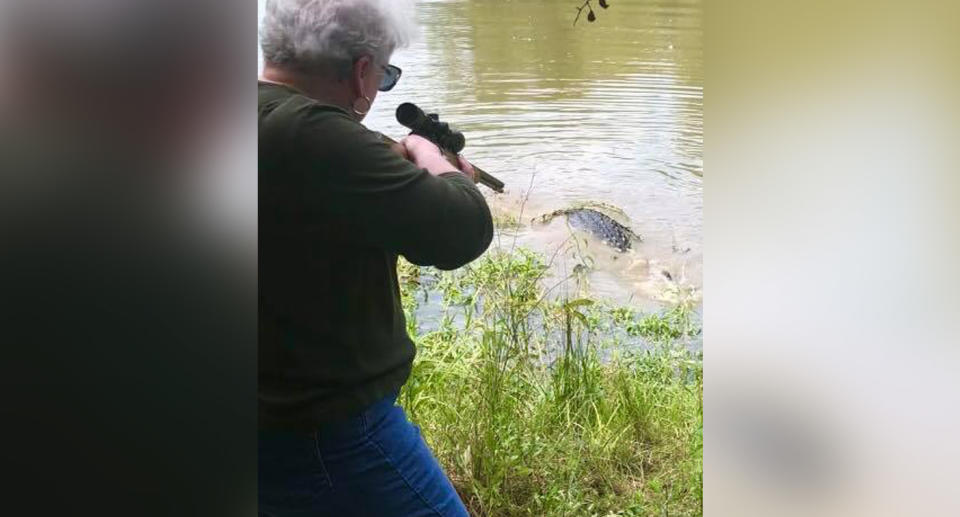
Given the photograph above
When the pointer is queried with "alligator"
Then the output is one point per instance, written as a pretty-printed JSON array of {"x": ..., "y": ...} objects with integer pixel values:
[{"x": 599, "y": 224}]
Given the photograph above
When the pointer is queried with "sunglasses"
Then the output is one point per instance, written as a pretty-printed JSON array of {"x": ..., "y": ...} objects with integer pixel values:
[{"x": 390, "y": 77}]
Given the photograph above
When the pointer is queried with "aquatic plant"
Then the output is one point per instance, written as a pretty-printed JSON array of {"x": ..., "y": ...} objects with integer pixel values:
[{"x": 539, "y": 400}]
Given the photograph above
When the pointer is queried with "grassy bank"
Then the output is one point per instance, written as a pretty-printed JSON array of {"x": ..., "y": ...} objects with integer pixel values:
[{"x": 542, "y": 405}]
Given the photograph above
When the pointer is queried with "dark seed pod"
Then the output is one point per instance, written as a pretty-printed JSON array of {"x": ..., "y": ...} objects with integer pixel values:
[
  {"x": 591, "y": 17},
  {"x": 604, "y": 4}
]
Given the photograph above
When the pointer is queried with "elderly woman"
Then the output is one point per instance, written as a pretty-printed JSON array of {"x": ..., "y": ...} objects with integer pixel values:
[{"x": 337, "y": 206}]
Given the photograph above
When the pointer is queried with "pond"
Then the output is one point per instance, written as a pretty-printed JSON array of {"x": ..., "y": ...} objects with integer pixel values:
[{"x": 604, "y": 112}]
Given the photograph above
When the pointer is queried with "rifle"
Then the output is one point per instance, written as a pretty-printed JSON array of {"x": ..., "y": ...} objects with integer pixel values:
[{"x": 449, "y": 140}]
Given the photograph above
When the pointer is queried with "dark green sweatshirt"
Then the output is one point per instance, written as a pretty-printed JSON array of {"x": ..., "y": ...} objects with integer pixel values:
[{"x": 336, "y": 208}]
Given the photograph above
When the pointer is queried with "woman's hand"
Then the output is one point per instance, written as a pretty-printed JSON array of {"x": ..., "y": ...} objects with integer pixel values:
[
  {"x": 427, "y": 155},
  {"x": 467, "y": 168},
  {"x": 399, "y": 148}
]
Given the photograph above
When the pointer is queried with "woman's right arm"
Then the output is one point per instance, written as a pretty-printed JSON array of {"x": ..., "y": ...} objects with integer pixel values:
[{"x": 432, "y": 215}]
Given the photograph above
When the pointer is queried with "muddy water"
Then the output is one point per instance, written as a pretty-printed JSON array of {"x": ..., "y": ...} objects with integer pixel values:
[{"x": 609, "y": 112}]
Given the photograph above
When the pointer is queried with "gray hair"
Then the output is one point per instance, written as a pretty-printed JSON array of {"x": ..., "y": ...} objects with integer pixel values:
[{"x": 306, "y": 34}]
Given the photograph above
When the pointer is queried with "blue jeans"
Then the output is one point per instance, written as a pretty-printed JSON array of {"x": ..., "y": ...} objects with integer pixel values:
[{"x": 373, "y": 464}]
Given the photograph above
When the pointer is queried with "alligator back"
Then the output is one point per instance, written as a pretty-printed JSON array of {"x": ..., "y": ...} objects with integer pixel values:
[{"x": 602, "y": 226}]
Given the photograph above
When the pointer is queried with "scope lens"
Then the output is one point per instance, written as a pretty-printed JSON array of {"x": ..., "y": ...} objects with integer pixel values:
[{"x": 409, "y": 115}]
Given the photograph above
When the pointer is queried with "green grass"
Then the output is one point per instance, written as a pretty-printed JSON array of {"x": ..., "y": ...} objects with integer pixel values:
[{"x": 536, "y": 405}]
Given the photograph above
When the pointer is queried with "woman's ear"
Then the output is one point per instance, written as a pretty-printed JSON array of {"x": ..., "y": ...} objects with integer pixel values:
[{"x": 362, "y": 68}]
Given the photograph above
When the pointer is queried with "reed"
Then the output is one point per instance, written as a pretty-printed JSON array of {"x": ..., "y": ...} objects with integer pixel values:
[{"x": 542, "y": 404}]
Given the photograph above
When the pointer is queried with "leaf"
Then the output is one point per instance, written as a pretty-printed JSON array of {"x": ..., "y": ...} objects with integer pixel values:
[
  {"x": 603, "y": 3},
  {"x": 580, "y": 316},
  {"x": 591, "y": 17},
  {"x": 579, "y": 302}
]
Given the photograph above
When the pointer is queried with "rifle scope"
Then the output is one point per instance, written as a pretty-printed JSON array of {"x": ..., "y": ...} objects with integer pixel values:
[{"x": 430, "y": 127}]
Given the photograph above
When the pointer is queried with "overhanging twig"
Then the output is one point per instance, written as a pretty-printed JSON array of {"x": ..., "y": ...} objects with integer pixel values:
[{"x": 580, "y": 9}]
